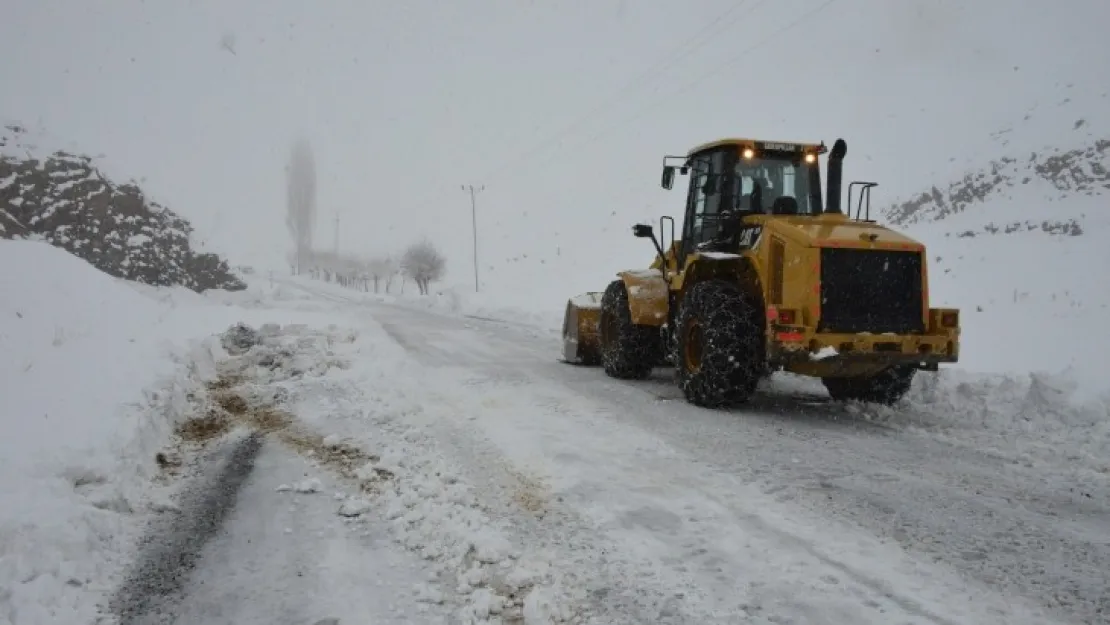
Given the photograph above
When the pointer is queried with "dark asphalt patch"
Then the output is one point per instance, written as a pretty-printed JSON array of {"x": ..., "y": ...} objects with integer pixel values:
[{"x": 173, "y": 544}]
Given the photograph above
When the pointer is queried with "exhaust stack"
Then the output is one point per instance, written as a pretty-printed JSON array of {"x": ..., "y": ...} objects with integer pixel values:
[{"x": 835, "y": 176}]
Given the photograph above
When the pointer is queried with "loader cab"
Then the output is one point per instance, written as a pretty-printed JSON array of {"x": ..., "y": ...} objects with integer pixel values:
[{"x": 735, "y": 178}]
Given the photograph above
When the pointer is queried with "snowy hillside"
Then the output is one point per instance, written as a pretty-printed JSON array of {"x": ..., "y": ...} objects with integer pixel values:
[
  {"x": 1018, "y": 243},
  {"x": 67, "y": 200}
]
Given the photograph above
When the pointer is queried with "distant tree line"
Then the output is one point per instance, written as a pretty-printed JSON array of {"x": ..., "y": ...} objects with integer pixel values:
[{"x": 420, "y": 262}]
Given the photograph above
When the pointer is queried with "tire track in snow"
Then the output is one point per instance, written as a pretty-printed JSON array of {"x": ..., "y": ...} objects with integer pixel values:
[
  {"x": 702, "y": 539},
  {"x": 577, "y": 397},
  {"x": 626, "y": 586},
  {"x": 814, "y": 448},
  {"x": 173, "y": 544}
]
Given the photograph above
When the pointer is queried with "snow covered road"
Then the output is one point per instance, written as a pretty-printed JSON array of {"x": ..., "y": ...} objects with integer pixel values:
[
  {"x": 789, "y": 510},
  {"x": 244, "y": 548},
  {"x": 398, "y": 465}
]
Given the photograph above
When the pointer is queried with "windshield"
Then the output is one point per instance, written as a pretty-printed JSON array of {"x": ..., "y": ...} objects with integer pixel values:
[{"x": 779, "y": 186}]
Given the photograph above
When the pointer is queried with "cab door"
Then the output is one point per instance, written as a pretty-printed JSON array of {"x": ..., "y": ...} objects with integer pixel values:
[{"x": 710, "y": 195}]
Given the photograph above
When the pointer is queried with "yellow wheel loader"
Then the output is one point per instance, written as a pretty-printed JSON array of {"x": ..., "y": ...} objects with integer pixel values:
[{"x": 768, "y": 276}]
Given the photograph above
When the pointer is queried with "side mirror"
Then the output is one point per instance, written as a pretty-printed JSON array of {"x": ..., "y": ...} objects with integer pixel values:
[
  {"x": 668, "y": 176},
  {"x": 643, "y": 231}
]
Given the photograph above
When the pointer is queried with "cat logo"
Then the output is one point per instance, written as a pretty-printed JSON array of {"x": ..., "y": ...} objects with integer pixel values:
[{"x": 749, "y": 236}]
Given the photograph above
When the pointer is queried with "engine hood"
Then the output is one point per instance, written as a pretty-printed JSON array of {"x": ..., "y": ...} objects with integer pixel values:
[{"x": 838, "y": 231}]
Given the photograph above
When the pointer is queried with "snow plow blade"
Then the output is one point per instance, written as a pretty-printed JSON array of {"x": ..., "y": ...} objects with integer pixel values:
[{"x": 581, "y": 336}]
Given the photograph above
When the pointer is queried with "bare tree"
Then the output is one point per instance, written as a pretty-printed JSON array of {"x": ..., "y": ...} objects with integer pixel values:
[
  {"x": 392, "y": 269},
  {"x": 423, "y": 263},
  {"x": 381, "y": 268},
  {"x": 300, "y": 216}
]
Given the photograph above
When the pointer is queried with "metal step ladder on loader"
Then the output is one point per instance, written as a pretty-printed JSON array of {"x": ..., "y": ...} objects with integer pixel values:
[{"x": 768, "y": 276}]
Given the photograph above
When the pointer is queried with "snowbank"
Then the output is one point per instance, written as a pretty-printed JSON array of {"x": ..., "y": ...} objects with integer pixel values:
[
  {"x": 1032, "y": 417},
  {"x": 94, "y": 372},
  {"x": 79, "y": 435},
  {"x": 1029, "y": 417},
  {"x": 1035, "y": 416}
]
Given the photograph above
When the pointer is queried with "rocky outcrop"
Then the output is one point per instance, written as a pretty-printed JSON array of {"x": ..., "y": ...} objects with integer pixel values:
[
  {"x": 67, "y": 201},
  {"x": 1085, "y": 170},
  {"x": 11, "y": 228},
  {"x": 1069, "y": 227}
]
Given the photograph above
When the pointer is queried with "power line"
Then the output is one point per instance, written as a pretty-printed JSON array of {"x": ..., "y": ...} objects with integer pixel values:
[
  {"x": 698, "y": 40},
  {"x": 684, "y": 50},
  {"x": 727, "y": 64},
  {"x": 698, "y": 43}
]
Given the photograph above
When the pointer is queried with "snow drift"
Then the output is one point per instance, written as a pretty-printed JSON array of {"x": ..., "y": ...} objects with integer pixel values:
[
  {"x": 79, "y": 437},
  {"x": 94, "y": 375}
]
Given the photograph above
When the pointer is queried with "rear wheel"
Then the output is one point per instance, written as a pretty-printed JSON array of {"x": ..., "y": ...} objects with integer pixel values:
[
  {"x": 628, "y": 351},
  {"x": 886, "y": 387},
  {"x": 719, "y": 355}
]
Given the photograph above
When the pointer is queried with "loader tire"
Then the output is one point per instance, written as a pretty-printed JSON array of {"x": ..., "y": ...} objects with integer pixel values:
[
  {"x": 720, "y": 349},
  {"x": 886, "y": 387},
  {"x": 628, "y": 351}
]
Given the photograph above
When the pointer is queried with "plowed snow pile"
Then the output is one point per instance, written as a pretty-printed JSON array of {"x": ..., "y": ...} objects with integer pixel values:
[
  {"x": 1033, "y": 417},
  {"x": 93, "y": 374},
  {"x": 76, "y": 347}
]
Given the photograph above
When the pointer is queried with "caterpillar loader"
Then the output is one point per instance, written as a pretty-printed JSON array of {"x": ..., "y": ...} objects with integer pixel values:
[{"x": 768, "y": 276}]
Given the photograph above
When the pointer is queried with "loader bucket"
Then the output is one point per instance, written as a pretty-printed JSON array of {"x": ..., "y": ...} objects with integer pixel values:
[{"x": 580, "y": 329}]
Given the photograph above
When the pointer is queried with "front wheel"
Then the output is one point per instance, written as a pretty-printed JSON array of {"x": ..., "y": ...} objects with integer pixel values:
[
  {"x": 886, "y": 387},
  {"x": 628, "y": 351},
  {"x": 720, "y": 355}
]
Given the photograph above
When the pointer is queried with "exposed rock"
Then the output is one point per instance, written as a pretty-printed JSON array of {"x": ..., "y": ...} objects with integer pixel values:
[
  {"x": 1069, "y": 227},
  {"x": 1084, "y": 170},
  {"x": 67, "y": 201}
]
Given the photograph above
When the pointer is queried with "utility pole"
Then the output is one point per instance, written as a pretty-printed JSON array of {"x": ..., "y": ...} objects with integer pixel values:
[{"x": 474, "y": 225}]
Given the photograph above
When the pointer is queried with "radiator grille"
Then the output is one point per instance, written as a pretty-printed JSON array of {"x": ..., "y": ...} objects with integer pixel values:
[
  {"x": 778, "y": 252},
  {"x": 871, "y": 291}
]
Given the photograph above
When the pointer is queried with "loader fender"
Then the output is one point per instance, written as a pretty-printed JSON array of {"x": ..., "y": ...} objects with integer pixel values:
[
  {"x": 648, "y": 300},
  {"x": 734, "y": 268}
]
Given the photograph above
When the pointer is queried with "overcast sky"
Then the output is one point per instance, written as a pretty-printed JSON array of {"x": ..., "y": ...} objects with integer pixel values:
[{"x": 405, "y": 101}]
